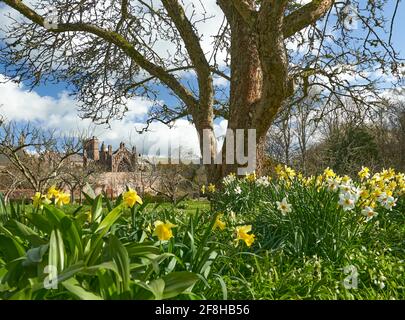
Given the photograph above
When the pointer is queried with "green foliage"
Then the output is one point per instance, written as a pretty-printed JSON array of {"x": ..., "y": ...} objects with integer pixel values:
[
  {"x": 303, "y": 254},
  {"x": 350, "y": 148},
  {"x": 53, "y": 254}
]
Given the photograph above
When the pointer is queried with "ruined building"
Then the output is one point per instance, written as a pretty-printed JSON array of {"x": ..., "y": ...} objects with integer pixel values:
[{"x": 121, "y": 160}]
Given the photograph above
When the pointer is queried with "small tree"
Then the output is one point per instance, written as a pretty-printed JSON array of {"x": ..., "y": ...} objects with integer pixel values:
[
  {"x": 38, "y": 155},
  {"x": 76, "y": 176}
]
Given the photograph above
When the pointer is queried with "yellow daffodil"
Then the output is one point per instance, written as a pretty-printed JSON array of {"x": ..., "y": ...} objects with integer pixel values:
[
  {"x": 62, "y": 198},
  {"x": 163, "y": 230},
  {"x": 211, "y": 188},
  {"x": 242, "y": 234},
  {"x": 251, "y": 177},
  {"x": 203, "y": 189},
  {"x": 219, "y": 223},
  {"x": 329, "y": 173},
  {"x": 38, "y": 200},
  {"x": 279, "y": 170},
  {"x": 88, "y": 216},
  {"x": 131, "y": 197},
  {"x": 290, "y": 172},
  {"x": 346, "y": 179},
  {"x": 52, "y": 192},
  {"x": 364, "y": 173}
]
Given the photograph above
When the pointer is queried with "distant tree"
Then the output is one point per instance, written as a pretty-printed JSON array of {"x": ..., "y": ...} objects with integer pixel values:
[
  {"x": 350, "y": 147},
  {"x": 10, "y": 181},
  {"x": 76, "y": 176},
  {"x": 38, "y": 155}
]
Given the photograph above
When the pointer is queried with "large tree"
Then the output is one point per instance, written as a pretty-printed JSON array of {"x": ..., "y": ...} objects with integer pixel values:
[{"x": 109, "y": 52}]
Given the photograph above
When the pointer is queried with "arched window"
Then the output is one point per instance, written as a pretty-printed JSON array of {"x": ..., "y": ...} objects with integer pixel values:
[{"x": 124, "y": 166}]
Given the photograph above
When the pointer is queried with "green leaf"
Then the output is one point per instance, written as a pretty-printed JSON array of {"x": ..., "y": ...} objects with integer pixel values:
[
  {"x": 73, "y": 286},
  {"x": 11, "y": 248},
  {"x": 54, "y": 215},
  {"x": 109, "y": 220},
  {"x": 178, "y": 282},
  {"x": 56, "y": 250},
  {"x": 156, "y": 287},
  {"x": 120, "y": 256},
  {"x": 24, "y": 232},
  {"x": 105, "y": 225},
  {"x": 40, "y": 222},
  {"x": 97, "y": 208},
  {"x": 24, "y": 294},
  {"x": 142, "y": 250}
]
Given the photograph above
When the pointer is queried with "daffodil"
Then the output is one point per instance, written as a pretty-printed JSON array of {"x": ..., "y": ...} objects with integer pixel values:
[
  {"x": 329, "y": 173},
  {"x": 163, "y": 230},
  {"x": 332, "y": 185},
  {"x": 52, "y": 192},
  {"x": 290, "y": 172},
  {"x": 38, "y": 200},
  {"x": 369, "y": 213},
  {"x": 211, "y": 188},
  {"x": 263, "y": 181},
  {"x": 219, "y": 223},
  {"x": 251, "y": 177},
  {"x": 279, "y": 170},
  {"x": 242, "y": 233},
  {"x": 62, "y": 198},
  {"x": 203, "y": 189},
  {"x": 388, "y": 202},
  {"x": 131, "y": 197},
  {"x": 347, "y": 201},
  {"x": 88, "y": 216},
  {"x": 364, "y": 173},
  {"x": 229, "y": 179},
  {"x": 284, "y": 206},
  {"x": 238, "y": 190},
  {"x": 346, "y": 179}
]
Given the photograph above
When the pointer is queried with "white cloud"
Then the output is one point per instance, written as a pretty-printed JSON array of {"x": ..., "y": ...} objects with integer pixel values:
[{"x": 19, "y": 104}]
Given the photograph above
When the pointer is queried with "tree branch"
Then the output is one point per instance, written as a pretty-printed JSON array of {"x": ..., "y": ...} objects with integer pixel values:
[
  {"x": 245, "y": 10},
  {"x": 118, "y": 40},
  {"x": 197, "y": 56},
  {"x": 305, "y": 16}
]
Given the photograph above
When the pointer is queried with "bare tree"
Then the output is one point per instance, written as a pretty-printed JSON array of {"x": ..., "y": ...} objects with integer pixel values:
[
  {"x": 76, "y": 176},
  {"x": 38, "y": 155},
  {"x": 10, "y": 181},
  {"x": 109, "y": 52}
]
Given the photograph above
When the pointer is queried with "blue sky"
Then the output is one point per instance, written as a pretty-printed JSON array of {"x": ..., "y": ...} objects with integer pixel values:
[{"x": 50, "y": 105}]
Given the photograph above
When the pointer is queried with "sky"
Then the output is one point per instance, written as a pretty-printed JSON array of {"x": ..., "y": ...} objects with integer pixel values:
[{"x": 51, "y": 106}]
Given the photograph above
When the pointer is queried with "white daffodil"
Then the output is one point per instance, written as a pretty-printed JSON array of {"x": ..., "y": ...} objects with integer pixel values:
[
  {"x": 389, "y": 203},
  {"x": 284, "y": 206},
  {"x": 263, "y": 181},
  {"x": 229, "y": 179},
  {"x": 238, "y": 190},
  {"x": 333, "y": 185},
  {"x": 355, "y": 192},
  {"x": 369, "y": 213},
  {"x": 347, "y": 201},
  {"x": 382, "y": 198},
  {"x": 345, "y": 188}
]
